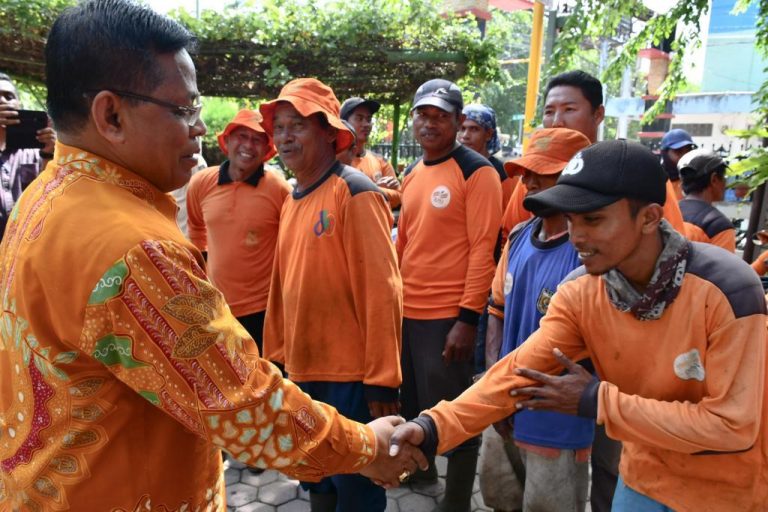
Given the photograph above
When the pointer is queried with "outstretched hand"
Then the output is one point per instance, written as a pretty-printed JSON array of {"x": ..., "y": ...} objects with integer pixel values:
[
  {"x": 556, "y": 393},
  {"x": 389, "y": 466},
  {"x": 407, "y": 434}
]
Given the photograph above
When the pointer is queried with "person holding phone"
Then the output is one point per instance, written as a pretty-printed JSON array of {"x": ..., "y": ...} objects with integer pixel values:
[{"x": 19, "y": 165}]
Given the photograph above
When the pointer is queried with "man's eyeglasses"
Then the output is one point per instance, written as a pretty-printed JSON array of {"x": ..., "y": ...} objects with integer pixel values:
[{"x": 190, "y": 113}]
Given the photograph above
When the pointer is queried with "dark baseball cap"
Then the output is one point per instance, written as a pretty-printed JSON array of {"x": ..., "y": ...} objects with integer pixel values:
[
  {"x": 351, "y": 104},
  {"x": 439, "y": 93},
  {"x": 676, "y": 139},
  {"x": 698, "y": 163},
  {"x": 601, "y": 175}
]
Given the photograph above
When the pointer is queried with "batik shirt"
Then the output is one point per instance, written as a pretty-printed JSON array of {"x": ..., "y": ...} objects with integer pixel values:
[{"x": 122, "y": 370}]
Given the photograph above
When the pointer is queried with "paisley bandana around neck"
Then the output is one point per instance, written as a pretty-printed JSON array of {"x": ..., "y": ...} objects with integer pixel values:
[
  {"x": 485, "y": 116},
  {"x": 664, "y": 285}
]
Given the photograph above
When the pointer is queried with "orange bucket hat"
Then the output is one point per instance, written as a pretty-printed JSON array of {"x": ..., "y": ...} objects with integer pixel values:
[
  {"x": 549, "y": 151},
  {"x": 309, "y": 96},
  {"x": 249, "y": 119}
]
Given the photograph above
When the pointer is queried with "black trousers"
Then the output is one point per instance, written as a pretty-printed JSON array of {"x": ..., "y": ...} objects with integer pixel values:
[
  {"x": 426, "y": 378},
  {"x": 254, "y": 324}
]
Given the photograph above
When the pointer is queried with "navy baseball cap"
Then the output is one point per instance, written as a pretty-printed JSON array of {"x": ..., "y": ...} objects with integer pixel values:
[
  {"x": 676, "y": 139},
  {"x": 439, "y": 93},
  {"x": 351, "y": 104},
  {"x": 600, "y": 175}
]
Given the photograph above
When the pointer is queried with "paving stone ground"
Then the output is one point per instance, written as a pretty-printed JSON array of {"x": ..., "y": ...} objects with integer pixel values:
[{"x": 274, "y": 492}]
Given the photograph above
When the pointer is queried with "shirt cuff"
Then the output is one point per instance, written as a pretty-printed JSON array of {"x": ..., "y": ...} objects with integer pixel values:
[
  {"x": 468, "y": 316},
  {"x": 588, "y": 400},
  {"x": 429, "y": 445},
  {"x": 380, "y": 393}
]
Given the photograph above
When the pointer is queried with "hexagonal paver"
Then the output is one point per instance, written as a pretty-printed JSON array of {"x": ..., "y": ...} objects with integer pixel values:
[
  {"x": 478, "y": 503},
  {"x": 416, "y": 503},
  {"x": 442, "y": 465},
  {"x": 241, "y": 494},
  {"x": 265, "y": 478},
  {"x": 398, "y": 491},
  {"x": 278, "y": 492},
  {"x": 231, "y": 476},
  {"x": 294, "y": 506},
  {"x": 430, "y": 490},
  {"x": 256, "y": 507},
  {"x": 392, "y": 506}
]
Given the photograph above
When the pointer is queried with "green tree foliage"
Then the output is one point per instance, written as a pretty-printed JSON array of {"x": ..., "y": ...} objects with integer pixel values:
[
  {"x": 509, "y": 32},
  {"x": 753, "y": 165},
  {"x": 592, "y": 19}
]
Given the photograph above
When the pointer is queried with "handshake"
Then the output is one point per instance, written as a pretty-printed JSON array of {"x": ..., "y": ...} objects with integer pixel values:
[{"x": 397, "y": 455}]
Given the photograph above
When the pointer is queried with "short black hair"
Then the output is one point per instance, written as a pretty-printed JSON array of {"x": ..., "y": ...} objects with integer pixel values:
[
  {"x": 591, "y": 87},
  {"x": 635, "y": 205},
  {"x": 105, "y": 44},
  {"x": 700, "y": 183}
]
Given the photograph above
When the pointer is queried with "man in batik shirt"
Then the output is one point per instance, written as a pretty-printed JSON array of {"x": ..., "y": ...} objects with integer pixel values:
[{"x": 122, "y": 370}]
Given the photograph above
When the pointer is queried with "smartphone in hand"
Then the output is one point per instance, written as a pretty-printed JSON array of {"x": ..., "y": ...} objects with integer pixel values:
[{"x": 24, "y": 134}]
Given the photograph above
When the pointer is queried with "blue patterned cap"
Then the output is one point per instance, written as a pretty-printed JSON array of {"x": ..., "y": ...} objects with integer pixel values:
[{"x": 485, "y": 116}]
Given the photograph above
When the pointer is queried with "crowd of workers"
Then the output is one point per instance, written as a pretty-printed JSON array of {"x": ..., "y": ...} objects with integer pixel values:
[{"x": 593, "y": 299}]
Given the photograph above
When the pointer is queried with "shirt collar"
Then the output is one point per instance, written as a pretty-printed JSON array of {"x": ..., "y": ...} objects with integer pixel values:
[
  {"x": 80, "y": 161},
  {"x": 253, "y": 179}
]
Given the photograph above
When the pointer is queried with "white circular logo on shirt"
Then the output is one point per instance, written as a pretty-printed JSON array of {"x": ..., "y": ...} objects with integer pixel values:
[
  {"x": 688, "y": 366},
  {"x": 508, "y": 279},
  {"x": 441, "y": 197},
  {"x": 575, "y": 165}
]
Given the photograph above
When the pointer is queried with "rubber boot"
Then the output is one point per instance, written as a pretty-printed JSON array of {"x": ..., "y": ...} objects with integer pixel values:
[
  {"x": 322, "y": 502},
  {"x": 459, "y": 480}
]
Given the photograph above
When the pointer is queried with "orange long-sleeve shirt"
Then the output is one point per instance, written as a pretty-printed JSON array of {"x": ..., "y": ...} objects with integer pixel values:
[
  {"x": 705, "y": 223},
  {"x": 759, "y": 265},
  {"x": 684, "y": 393},
  {"x": 335, "y": 304},
  {"x": 123, "y": 374},
  {"x": 449, "y": 226},
  {"x": 516, "y": 213},
  {"x": 375, "y": 167},
  {"x": 236, "y": 222}
]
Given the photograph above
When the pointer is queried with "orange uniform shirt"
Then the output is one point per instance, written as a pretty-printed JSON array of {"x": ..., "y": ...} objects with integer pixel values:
[
  {"x": 705, "y": 223},
  {"x": 375, "y": 167},
  {"x": 448, "y": 228},
  {"x": 677, "y": 187},
  {"x": 686, "y": 393},
  {"x": 759, "y": 265},
  {"x": 236, "y": 222},
  {"x": 122, "y": 371},
  {"x": 516, "y": 213},
  {"x": 335, "y": 305}
]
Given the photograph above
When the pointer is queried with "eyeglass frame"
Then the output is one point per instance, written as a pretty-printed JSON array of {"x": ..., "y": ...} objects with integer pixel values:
[{"x": 191, "y": 113}]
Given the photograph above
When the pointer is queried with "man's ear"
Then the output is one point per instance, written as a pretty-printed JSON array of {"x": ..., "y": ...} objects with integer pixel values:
[
  {"x": 599, "y": 114},
  {"x": 651, "y": 216},
  {"x": 332, "y": 134},
  {"x": 108, "y": 113}
]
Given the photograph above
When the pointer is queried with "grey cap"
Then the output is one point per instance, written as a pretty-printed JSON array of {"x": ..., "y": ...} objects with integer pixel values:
[
  {"x": 439, "y": 93},
  {"x": 351, "y": 104},
  {"x": 698, "y": 163}
]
